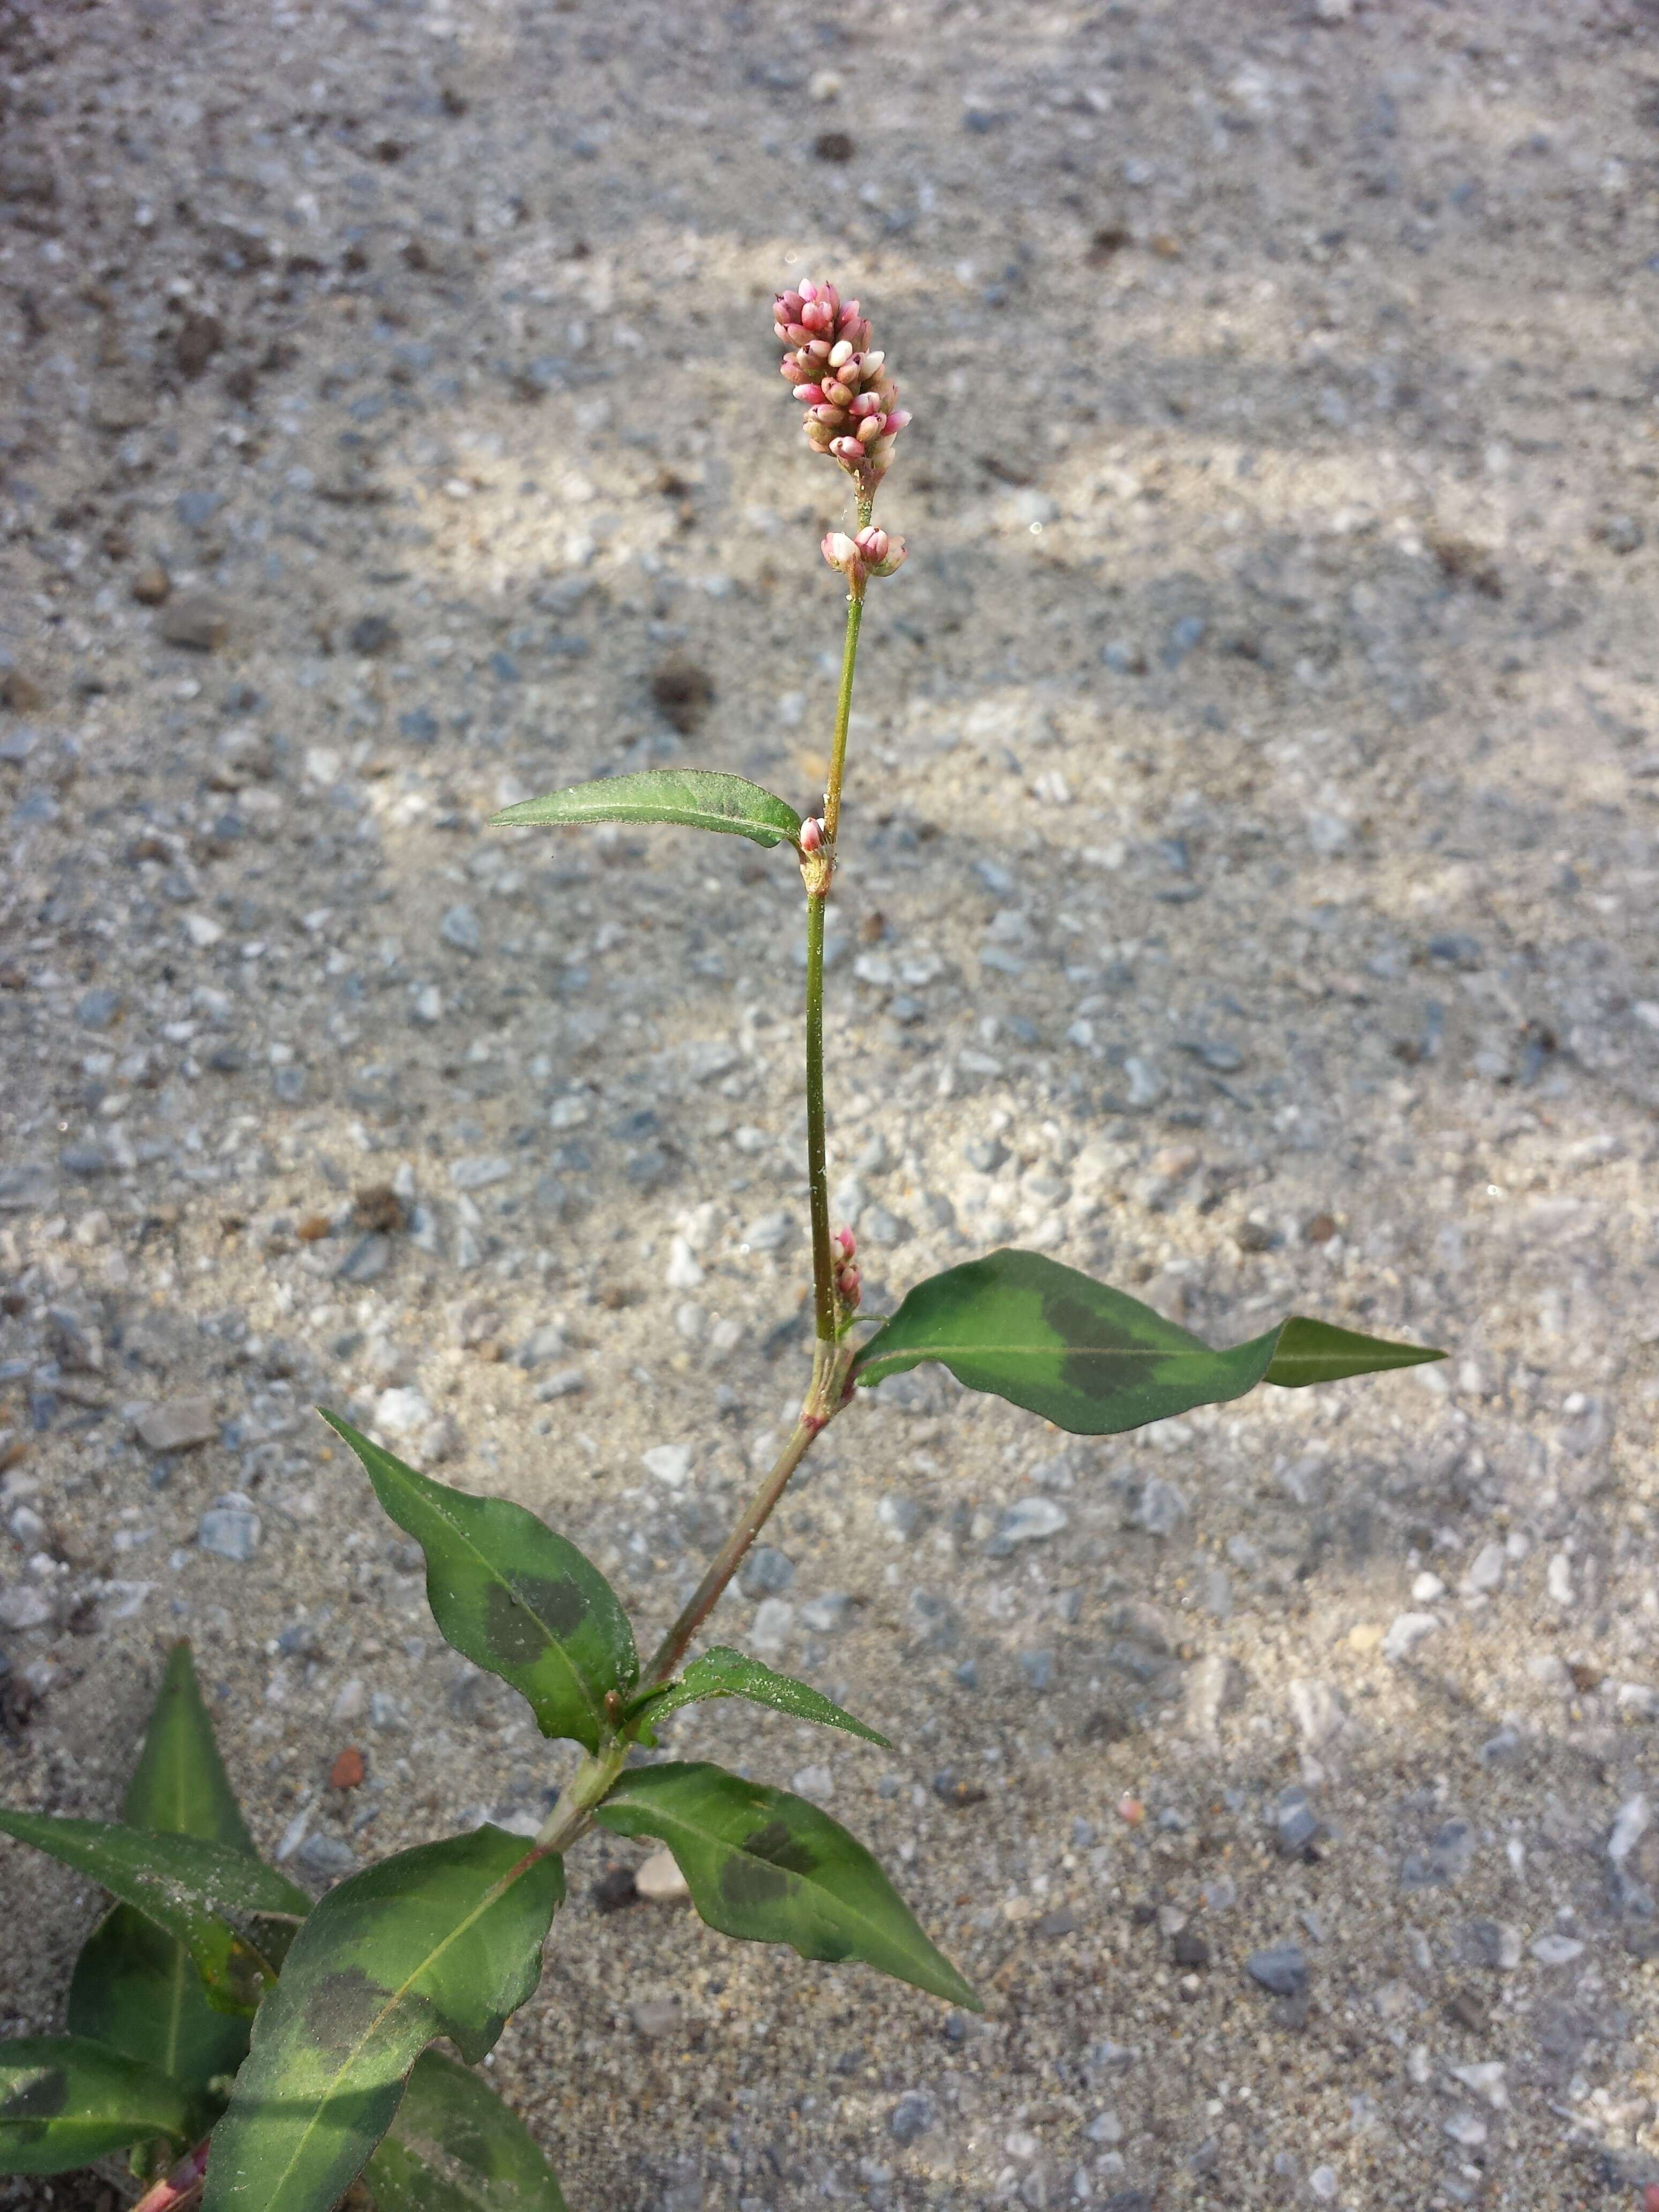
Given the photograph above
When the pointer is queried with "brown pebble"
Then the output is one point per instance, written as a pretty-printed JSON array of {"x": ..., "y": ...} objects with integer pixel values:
[
  {"x": 20, "y": 693},
  {"x": 378, "y": 1208},
  {"x": 1321, "y": 1229},
  {"x": 199, "y": 338},
  {"x": 314, "y": 1228},
  {"x": 347, "y": 1770},
  {"x": 834, "y": 146}
]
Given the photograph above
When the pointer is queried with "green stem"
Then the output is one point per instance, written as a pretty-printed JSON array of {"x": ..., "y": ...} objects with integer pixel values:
[
  {"x": 849, "y": 654},
  {"x": 817, "y": 1162}
]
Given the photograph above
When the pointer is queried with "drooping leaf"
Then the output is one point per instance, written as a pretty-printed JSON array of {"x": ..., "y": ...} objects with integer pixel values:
[
  {"x": 1024, "y": 1328},
  {"x": 64, "y": 2100},
  {"x": 202, "y": 1893},
  {"x": 511, "y": 1596},
  {"x": 455, "y": 2146},
  {"x": 442, "y": 1940},
  {"x": 722, "y": 1672},
  {"x": 695, "y": 798},
  {"x": 134, "y": 1987},
  {"x": 774, "y": 1869}
]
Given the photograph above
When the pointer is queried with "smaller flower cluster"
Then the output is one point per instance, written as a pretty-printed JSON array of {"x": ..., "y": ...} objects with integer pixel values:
[
  {"x": 871, "y": 553},
  {"x": 852, "y": 403},
  {"x": 848, "y": 1288}
]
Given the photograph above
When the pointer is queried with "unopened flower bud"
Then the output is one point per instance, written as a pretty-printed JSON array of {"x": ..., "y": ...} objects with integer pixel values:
[
  {"x": 835, "y": 370},
  {"x": 812, "y": 834},
  {"x": 845, "y": 1247},
  {"x": 849, "y": 1287}
]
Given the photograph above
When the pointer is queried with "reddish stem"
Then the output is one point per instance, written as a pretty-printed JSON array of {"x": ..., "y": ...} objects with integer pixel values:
[{"x": 182, "y": 2187}]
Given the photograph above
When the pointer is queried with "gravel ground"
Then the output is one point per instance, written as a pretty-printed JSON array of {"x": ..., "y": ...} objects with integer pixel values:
[{"x": 1249, "y": 893}]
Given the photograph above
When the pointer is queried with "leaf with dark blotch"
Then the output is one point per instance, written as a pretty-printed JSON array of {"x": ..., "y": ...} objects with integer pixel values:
[
  {"x": 1087, "y": 1358},
  {"x": 775, "y": 1870},
  {"x": 455, "y": 2146},
  {"x": 442, "y": 1940},
  {"x": 202, "y": 1893},
  {"x": 135, "y": 1987},
  {"x": 694, "y": 798},
  {"x": 723, "y": 1672},
  {"x": 64, "y": 2101},
  {"x": 511, "y": 1596}
]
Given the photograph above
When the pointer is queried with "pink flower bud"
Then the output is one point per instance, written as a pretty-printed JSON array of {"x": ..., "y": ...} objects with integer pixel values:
[
  {"x": 842, "y": 1241},
  {"x": 871, "y": 542},
  {"x": 792, "y": 370},
  {"x": 808, "y": 288},
  {"x": 870, "y": 429},
  {"x": 811, "y": 836},
  {"x": 896, "y": 420},
  {"x": 849, "y": 1288},
  {"x": 865, "y": 404},
  {"x": 846, "y": 449},
  {"x": 787, "y": 307},
  {"x": 798, "y": 334},
  {"x": 831, "y": 417},
  {"x": 840, "y": 354},
  {"x": 818, "y": 348},
  {"x": 816, "y": 317},
  {"x": 811, "y": 394}
]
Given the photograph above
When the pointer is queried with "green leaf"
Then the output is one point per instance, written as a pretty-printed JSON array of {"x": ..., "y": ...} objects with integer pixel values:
[
  {"x": 198, "y": 1891},
  {"x": 772, "y": 1868},
  {"x": 180, "y": 1786},
  {"x": 511, "y": 1596},
  {"x": 1091, "y": 1360},
  {"x": 134, "y": 1987},
  {"x": 696, "y": 797},
  {"x": 455, "y": 2146},
  {"x": 64, "y": 2101},
  {"x": 442, "y": 1940},
  {"x": 723, "y": 1672}
]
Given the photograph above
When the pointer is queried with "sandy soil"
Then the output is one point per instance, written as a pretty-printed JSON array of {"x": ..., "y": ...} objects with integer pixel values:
[{"x": 1249, "y": 894}]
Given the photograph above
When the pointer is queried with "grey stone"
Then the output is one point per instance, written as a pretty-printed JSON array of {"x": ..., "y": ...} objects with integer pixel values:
[
  {"x": 1281, "y": 1969},
  {"x": 331, "y": 1857},
  {"x": 655, "y": 2017},
  {"x": 479, "y": 1171},
  {"x": 1161, "y": 1509},
  {"x": 199, "y": 621},
  {"x": 1028, "y": 1521},
  {"x": 899, "y": 1516},
  {"x": 1038, "y": 1669},
  {"x": 23, "y": 1606},
  {"x": 1296, "y": 1824},
  {"x": 828, "y": 1612},
  {"x": 766, "y": 1572},
  {"x": 288, "y": 1084},
  {"x": 460, "y": 929},
  {"x": 96, "y": 1010},
  {"x": 230, "y": 1528},
  {"x": 771, "y": 1233},
  {"x": 178, "y": 1425},
  {"x": 26, "y": 1189},
  {"x": 83, "y": 1159},
  {"x": 367, "y": 1259},
  {"x": 911, "y": 2116}
]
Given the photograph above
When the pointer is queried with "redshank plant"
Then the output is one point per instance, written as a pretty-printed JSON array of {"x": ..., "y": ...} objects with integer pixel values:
[{"x": 216, "y": 1992}]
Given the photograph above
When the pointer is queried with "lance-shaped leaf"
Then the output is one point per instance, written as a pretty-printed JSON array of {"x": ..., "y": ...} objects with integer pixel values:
[
  {"x": 511, "y": 1596},
  {"x": 201, "y": 1892},
  {"x": 695, "y": 798},
  {"x": 723, "y": 1672},
  {"x": 64, "y": 2100},
  {"x": 134, "y": 1987},
  {"x": 775, "y": 1870},
  {"x": 455, "y": 2146},
  {"x": 1091, "y": 1360},
  {"x": 442, "y": 1940}
]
